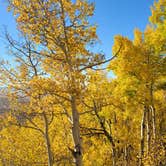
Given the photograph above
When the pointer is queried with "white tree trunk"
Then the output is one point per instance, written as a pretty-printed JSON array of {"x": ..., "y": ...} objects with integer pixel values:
[
  {"x": 142, "y": 137},
  {"x": 77, "y": 154},
  {"x": 148, "y": 129},
  {"x": 47, "y": 140},
  {"x": 153, "y": 121}
]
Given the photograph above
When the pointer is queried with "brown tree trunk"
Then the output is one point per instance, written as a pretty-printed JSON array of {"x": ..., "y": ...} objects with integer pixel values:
[
  {"x": 77, "y": 153},
  {"x": 47, "y": 140}
]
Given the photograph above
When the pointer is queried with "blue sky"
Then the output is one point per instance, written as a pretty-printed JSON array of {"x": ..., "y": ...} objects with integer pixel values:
[
  {"x": 112, "y": 17},
  {"x": 120, "y": 17}
]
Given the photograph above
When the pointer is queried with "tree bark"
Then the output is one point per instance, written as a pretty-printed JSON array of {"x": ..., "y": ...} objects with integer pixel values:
[
  {"x": 113, "y": 155},
  {"x": 152, "y": 110},
  {"x": 77, "y": 153},
  {"x": 47, "y": 140},
  {"x": 153, "y": 121},
  {"x": 125, "y": 156},
  {"x": 127, "y": 149},
  {"x": 142, "y": 136},
  {"x": 148, "y": 126}
]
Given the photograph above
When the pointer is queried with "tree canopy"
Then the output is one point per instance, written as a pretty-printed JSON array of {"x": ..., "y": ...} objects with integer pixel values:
[{"x": 63, "y": 108}]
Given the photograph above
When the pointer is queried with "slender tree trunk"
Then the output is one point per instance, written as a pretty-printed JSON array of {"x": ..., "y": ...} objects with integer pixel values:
[
  {"x": 152, "y": 109},
  {"x": 77, "y": 154},
  {"x": 142, "y": 136},
  {"x": 113, "y": 155},
  {"x": 125, "y": 156},
  {"x": 3, "y": 162},
  {"x": 148, "y": 126},
  {"x": 110, "y": 138},
  {"x": 47, "y": 140},
  {"x": 153, "y": 121}
]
